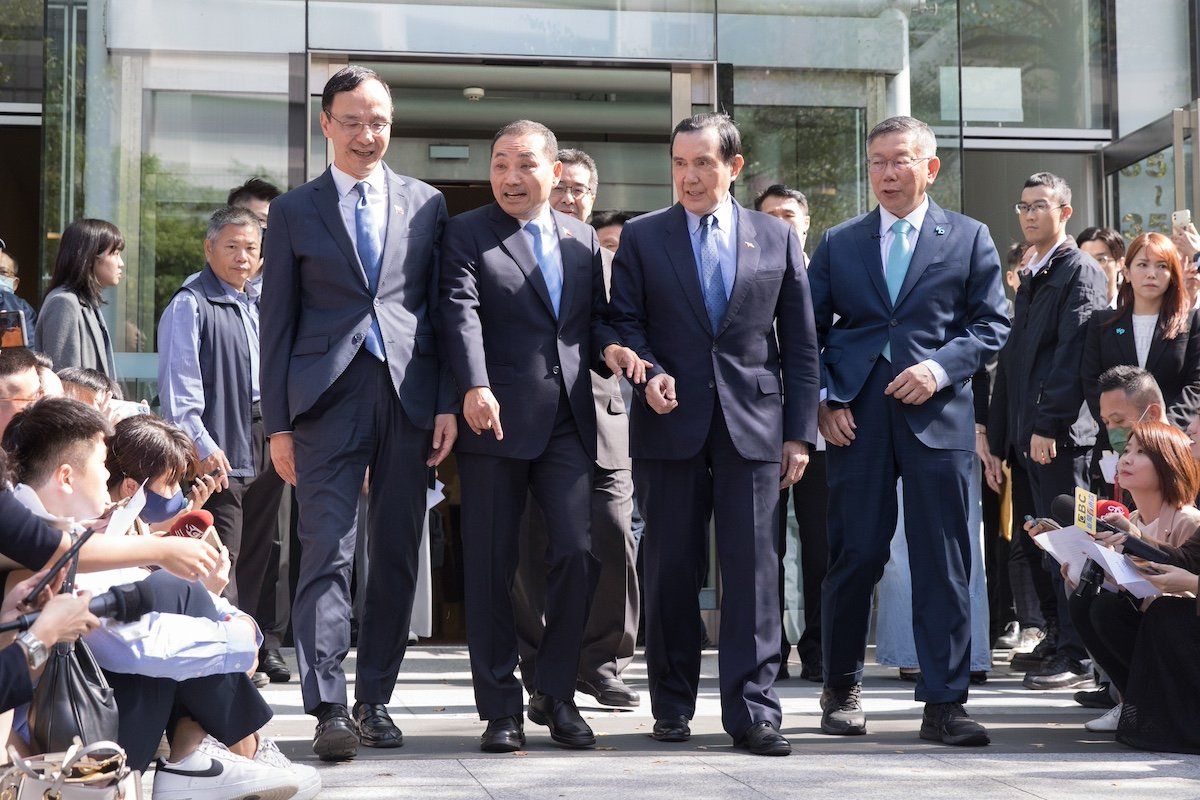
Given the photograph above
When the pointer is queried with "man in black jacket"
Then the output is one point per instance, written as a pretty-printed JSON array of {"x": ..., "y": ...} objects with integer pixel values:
[{"x": 1038, "y": 418}]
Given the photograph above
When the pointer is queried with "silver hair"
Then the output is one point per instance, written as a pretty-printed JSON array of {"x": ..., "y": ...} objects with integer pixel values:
[
  {"x": 923, "y": 139},
  {"x": 230, "y": 215}
]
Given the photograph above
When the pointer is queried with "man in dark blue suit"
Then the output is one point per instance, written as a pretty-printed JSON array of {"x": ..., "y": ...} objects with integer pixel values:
[
  {"x": 351, "y": 380},
  {"x": 715, "y": 297},
  {"x": 522, "y": 320},
  {"x": 908, "y": 307}
]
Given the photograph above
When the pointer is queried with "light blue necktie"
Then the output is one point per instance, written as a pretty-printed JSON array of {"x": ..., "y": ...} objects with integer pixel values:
[
  {"x": 711, "y": 281},
  {"x": 550, "y": 271},
  {"x": 370, "y": 253},
  {"x": 899, "y": 256}
]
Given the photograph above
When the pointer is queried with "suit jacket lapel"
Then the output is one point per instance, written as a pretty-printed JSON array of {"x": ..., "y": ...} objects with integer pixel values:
[
  {"x": 396, "y": 225},
  {"x": 516, "y": 244},
  {"x": 92, "y": 317},
  {"x": 868, "y": 246},
  {"x": 1121, "y": 329},
  {"x": 1159, "y": 344},
  {"x": 683, "y": 259},
  {"x": 325, "y": 198},
  {"x": 930, "y": 242},
  {"x": 747, "y": 251}
]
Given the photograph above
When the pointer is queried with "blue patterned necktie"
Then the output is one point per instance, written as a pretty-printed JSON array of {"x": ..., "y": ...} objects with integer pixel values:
[
  {"x": 711, "y": 282},
  {"x": 370, "y": 253},
  {"x": 899, "y": 256},
  {"x": 550, "y": 271}
]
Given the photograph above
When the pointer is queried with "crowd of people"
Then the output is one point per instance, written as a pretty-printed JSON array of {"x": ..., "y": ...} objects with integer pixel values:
[{"x": 609, "y": 391}]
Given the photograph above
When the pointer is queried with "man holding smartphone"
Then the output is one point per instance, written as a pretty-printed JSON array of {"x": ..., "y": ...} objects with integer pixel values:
[{"x": 208, "y": 381}]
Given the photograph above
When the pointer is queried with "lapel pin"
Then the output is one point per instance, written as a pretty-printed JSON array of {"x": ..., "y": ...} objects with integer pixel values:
[
  {"x": 939, "y": 230},
  {"x": 399, "y": 210},
  {"x": 749, "y": 244},
  {"x": 566, "y": 233},
  {"x": 1120, "y": 331}
]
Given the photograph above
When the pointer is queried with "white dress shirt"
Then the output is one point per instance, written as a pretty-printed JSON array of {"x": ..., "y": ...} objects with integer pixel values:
[
  {"x": 161, "y": 645},
  {"x": 1037, "y": 260},
  {"x": 1143, "y": 335},
  {"x": 916, "y": 218},
  {"x": 348, "y": 197}
]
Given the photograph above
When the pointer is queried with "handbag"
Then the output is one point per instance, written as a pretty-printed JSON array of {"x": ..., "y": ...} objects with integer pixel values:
[
  {"x": 72, "y": 700},
  {"x": 92, "y": 772}
]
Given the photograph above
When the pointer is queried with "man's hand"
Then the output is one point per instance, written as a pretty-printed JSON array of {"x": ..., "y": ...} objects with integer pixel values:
[
  {"x": 190, "y": 559},
  {"x": 623, "y": 361},
  {"x": 445, "y": 432},
  {"x": 283, "y": 456},
  {"x": 1042, "y": 450},
  {"x": 217, "y": 461},
  {"x": 481, "y": 409},
  {"x": 218, "y": 579},
  {"x": 993, "y": 469},
  {"x": 793, "y": 463},
  {"x": 836, "y": 425},
  {"x": 660, "y": 393},
  {"x": 64, "y": 619},
  {"x": 14, "y": 606},
  {"x": 913, "y": 386}
]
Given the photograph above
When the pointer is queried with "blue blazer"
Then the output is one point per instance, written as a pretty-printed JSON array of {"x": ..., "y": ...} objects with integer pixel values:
[
  {"x": 761, "y": 365},
  {"x": 951, "y": 308},
  {"x": 316, "y": 303}
]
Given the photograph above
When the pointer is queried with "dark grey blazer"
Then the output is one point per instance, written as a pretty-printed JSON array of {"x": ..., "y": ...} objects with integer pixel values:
[
  {"x": 612, "y": 407},
  {"x": 316, "y": 304},
  {"x": 498, "y": 327},
  {"x": 71, "y": 332}
]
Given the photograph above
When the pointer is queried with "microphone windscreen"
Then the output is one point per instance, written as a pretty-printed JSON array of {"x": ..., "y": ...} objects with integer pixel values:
[
  {"x": 1106, "y": 507},
  {"x": 142, "y": 601},
  {"x": 1062, "y": 510},
  {"x": 193, "y": 524}
]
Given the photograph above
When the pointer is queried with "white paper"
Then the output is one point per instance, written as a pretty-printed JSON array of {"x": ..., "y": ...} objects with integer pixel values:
[
  {"x": 435, "y": 495},
  {"x": 1073, "y": 547},
  {"x": 1108, "y": 466},
  {"x": 1127, "y": 576},
  {"x": 122, "y": 519}
]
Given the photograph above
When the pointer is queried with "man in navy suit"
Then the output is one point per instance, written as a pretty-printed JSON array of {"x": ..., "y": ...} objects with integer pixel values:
[
  {"x": 915, "y": 292},
  {"x": 521, "y": 315},
  {"x": 351, "y": 380},
  {"x": 715, "y": 297}
]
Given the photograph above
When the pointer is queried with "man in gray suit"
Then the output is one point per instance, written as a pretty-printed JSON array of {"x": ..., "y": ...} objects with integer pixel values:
[
  {"x": 610, "y": 637},
  {"x": 351, "y": 380}
]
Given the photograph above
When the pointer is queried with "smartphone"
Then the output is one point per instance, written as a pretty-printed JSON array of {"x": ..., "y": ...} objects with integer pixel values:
[
  {"x": 216, "y": 473},
  {"x": 1181, "y": 218},
  {"x": 63, "y": 560},
  {"x": 12, "y": 328},
  {"x": 1044, "y": 521}
]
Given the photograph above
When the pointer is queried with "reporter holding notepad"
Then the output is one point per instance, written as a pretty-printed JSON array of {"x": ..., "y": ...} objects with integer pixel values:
[{"x": 1159, "y": 471}]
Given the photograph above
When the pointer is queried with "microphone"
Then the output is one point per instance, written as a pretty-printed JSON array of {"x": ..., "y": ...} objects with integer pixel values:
[
  {"x": 1106, "y": 507},
  {"x": 193, "y": 524},
  {"x": 123, "y": 603},
  {"x": 1063, "y": 511}
]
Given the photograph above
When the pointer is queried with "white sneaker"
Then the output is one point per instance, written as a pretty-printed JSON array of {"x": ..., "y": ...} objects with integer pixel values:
[
  {"x": 208, "y": 774},
  {"x": 1106, "y": 724},
  {"x": 308, "y": 777}
]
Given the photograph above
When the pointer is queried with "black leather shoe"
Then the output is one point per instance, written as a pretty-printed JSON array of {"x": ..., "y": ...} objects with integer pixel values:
[
  {"x": 762, "y": 739},
  {"x": 335, "y": 738},
  {"x": 949, "y": 723},
  {"x": 841, "y": 711},
  {"x": 375, "y": 726},
  {"x": 784, "y": 673},
  {"x": 910, "y": 675},
  {"x": 671, "y": 729},
  {"x": 504, "y": 735},
  {"x": 271, "y": 662},
  {"x": 1060, "y": 672},
  {"x": 814, "y": 672},
  {"x": 610, "y": 692},
  {"x": 1100, "y": 698},
  {"x": 978, "y": 677},
  {"x": 562, "y": 718}
]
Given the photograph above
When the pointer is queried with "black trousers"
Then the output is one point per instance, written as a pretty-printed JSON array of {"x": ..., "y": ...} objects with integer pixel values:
[
  {"x": 810, "y": 499},
  {"x": 226, "y": 706},
  {"x": 1047, "y": 481},
  {"x": 246, "y": 516},
  {"x": 1108, "y": 625},
  {"x": 741, "y": 497},
  {"x": 1033, "y": 591},
  {"x": 359, "y": 422},
  {"x": 494, "y": 491}
]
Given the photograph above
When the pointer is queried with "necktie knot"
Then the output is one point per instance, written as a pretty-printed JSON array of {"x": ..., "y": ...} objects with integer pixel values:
[
  {"x": 708, "y": 221},
  {"x": 901, "y": 227},
  {"x": 362, "y": 191}
]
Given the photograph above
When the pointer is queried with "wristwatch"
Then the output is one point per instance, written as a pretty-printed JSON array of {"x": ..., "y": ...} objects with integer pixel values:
[{"x": 36, "y": 652}]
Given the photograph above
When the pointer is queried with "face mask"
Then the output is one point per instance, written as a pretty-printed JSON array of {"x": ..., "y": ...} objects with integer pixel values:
[
  {"x": 1118, "y": 438},
  {"x": 159, "y": 508},
  {"x": 7, "y": 283}
]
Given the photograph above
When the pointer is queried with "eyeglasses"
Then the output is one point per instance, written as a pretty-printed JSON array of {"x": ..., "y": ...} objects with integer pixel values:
[
  {"x": 577, "y": 191},
  {"x": 1040, "y": 207},
  {"x": 355, "y": 127},
  {"x": 901, "y": 164},
  {"x": 1102, "y": 260},
  {"x": 24, "y": 401}
]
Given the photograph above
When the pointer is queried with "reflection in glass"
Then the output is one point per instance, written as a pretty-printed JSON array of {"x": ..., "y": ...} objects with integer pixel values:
[{"x": 1145, "y": 195}]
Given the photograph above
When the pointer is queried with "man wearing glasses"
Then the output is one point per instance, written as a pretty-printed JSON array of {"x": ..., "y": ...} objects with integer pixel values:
[
  {"x": 917, "y": 289},
  {"x": 351, "y": 381},
  {"x": 1038, "y": 421},
  {"x": 19, "y": 383}
]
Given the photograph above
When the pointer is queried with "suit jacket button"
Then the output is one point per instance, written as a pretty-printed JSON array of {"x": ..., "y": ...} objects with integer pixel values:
[
  {"x": 555, "y": 369},
  {"x": 714, "y": 348},
  {"x": 711, "y": 385},
  {"x": 358, "y": 337},
  {"x": 894, "y": 323},
  {"x": 379, "y": 302}
]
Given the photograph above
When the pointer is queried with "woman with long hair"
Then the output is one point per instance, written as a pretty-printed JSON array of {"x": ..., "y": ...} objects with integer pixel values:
[
  {"x": 71, "y": 328},
  {"x": 1153, "y": 327}
]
